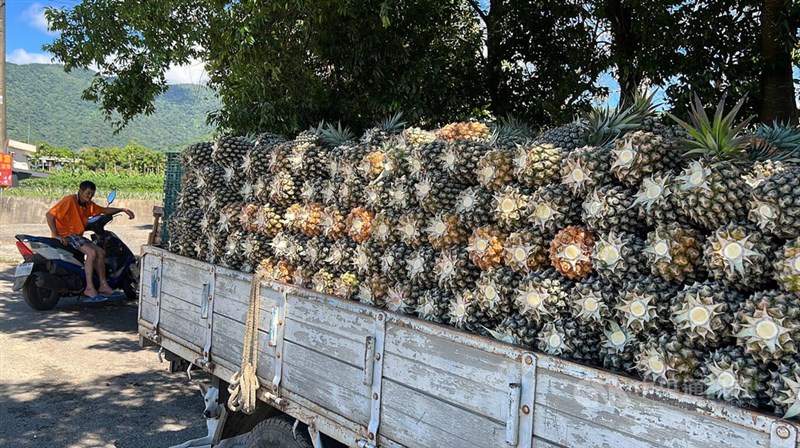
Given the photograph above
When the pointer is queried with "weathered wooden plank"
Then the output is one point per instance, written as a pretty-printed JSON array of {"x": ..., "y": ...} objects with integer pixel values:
[
  {"x": 236, "y": 309},
  {"x": 182, "y": 319},
  {"x": 622, "y": 412},
  {"x": 184, "y": 280},
  {"x": 148, "y": 311},
  {"x": 448, "y": 356},
  {"x": 343, "y": 349},
  {"x": 555, "y": 427},
  {"x": 415, "y": 419},
  {"x": 465, "y": 388},
  {"x": 227, "y": 342},
  {"x": 330, "y": 318},
  {"x": 327, "y": 382},
  {"x": 541, "y": 443}
]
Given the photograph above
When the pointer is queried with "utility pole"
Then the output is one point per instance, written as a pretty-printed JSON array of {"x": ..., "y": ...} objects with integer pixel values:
[{"x": 3, "y": 137}]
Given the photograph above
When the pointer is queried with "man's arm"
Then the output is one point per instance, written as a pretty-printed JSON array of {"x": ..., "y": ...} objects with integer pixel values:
[
  {"x": 51, "y": 222},
  {"x": 112, "y": 210}
]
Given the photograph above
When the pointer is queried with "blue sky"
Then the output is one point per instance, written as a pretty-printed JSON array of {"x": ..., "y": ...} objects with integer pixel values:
[{"x": 26, "y": 32}]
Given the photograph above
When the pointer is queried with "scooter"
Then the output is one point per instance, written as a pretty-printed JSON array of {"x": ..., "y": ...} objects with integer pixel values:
[{"x": 51, "y": 270}]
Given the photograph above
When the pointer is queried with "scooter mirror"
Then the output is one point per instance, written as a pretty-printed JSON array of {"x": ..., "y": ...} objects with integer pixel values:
[{"x": 111, "y": 197}]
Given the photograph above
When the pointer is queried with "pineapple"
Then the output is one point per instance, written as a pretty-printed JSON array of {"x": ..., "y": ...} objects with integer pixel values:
[
  {"x": 211, "y": 178},
  {"x": 569, "y": 136},
  {"x": 766, "y": 325},
  {"x": 329, "y": 192},
  {"x": 515, "y": 329},
  {"x": 537, "y": 165},
  {"x": 586, "y": 168},
  {"x": 276, "y": 270},
  {"x": 763, "y": 170},
  {"x": 465, "y": 314},
  {"x": 637, "y": 155},
  {"x": 464, "y": 131},
  {"x": 666, "y": 360},
  {"x": 445, "y": 231},
  {"x": 410, "y": 228},
  {"x": 256, "y": 160},
  {"x": 525, "y": 251},
  {"x": 609, "y": 207},
  {"x": 229, "y": 151},
  {"x": 289, "y": 247},
  {"x": 552, "y": 208},
  {"x": 197, "y": 155},
  {"x": 366, "y": 258},
  {"x": 731, "y": 376},
  {"x": 309, "y": 220},
  {"x": 619, "y": 347},
  {"x": 604, "y": 125},
  {"x": 584, "y": 339},
  {"x": 351, "y": 191},
  {"x": 383, "y": 225},
  {"x": 346, "y": 286},
  {"x": 571, "y": 251},
  {"x": 454, "y": 271},
  {"x": 292, "y": 217},
  {"x": 317, "y": 250},
  {"x": 510, "y": 205},
  {"x": 426, "y": 158},
  {"x": 340, "y": 255},
  {"x": 711, "y": 191},
  {"x": 592, "y": 299},
  {"x": 323, "y": 281},
  {"x": 255, "y": 248},
  {"x": 783, "y": 389},
  {"x": 284, "y": 189},
  {"x": 333, "y": 223},
  {"x": 233, "y": 258},
  {"x": 311, "y": 190},
  {"x": 495, "y": 169},
  {"x": 787, "y": 267},
  {"x": 618, "y": 257},
  {"x": 494, "y": 291},
  {"x": 437, "y": 192},
  {"x": 402, "y": 298},
  {"x": 418, "y": 137},
  {"x": 359, "y": 224},
  {"x": 643, "y": 305},
  {"x": 461, "y": 158},
  {"x": 373, "y": 291},
  {"x": 302, "y": 276},
  {"x": 279, "y": 157},
  {"x": 383, "y": 131},
  {"x": 474, "y": 207},
  {"x": 542, "y": 296},
  {"x": 376, "y": 194},
  {"x": 703, "y": 314},
  {"x": 433, "y": 305},
  {"x": 553, "y": 339},
  {"x": 419, "y": 267},
  {"x": 655, "y": 201},
  {"x": 675, "y": 253},
  {"x": 775, "y": 205},
  {"x": 393, "y": 262},
  {"x": 486, "y": 247},
  {"x": 737, "y": 256},
  {"x": 400, "y": 194}
]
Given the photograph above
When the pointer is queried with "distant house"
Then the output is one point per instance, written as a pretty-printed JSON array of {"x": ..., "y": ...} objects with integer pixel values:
[{"x": 21, "y": 154}]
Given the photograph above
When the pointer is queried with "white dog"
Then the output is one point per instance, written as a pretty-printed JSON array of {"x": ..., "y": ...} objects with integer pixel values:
[{"x": 212, "y": 413}]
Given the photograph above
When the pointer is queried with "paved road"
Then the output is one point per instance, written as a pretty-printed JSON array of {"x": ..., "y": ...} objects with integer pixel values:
[{"x": 76, "y": 377}]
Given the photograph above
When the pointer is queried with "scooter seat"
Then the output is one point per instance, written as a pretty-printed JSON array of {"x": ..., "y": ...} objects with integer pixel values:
[{"x": 55, "y": 243}]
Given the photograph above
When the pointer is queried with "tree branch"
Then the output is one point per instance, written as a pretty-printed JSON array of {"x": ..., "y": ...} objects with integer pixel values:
[{"x": 477, "y": 7}]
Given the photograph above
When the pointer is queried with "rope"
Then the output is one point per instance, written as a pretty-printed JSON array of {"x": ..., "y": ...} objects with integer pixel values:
[{"x": 244, "y": 383}]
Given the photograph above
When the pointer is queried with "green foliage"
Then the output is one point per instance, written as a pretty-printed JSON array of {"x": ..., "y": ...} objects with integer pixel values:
[
  {"x": 45, "y": 105},
  {"x": 143, "y": 186},
  {"x": 133, "y": 159},
  {"x": 720, "y": 138}
]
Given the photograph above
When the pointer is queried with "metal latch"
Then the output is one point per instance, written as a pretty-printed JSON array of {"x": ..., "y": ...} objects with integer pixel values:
[
  {"x": 782, "y": 435},
  {"x": 204, "y": 299},
  {"x": 155, "y": 277}
]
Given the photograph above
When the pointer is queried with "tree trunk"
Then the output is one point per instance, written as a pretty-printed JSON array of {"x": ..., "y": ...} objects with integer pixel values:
[
  {"x": 494, "y": 59},
  {"x": 776, "y": 74},
  {"x": 624, "y": 47}
]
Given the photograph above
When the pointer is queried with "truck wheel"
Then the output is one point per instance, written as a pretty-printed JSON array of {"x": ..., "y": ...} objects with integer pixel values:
[
  {"x": 40, "y": 299},
  {"x": 130, "y": 286},
  {"x": 276, "y": 432}
]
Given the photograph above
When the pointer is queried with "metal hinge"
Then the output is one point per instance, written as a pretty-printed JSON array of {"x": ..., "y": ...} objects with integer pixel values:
[
  {"x": 521, "y": 395},
  {"x": 377, "y": 379},
  {"x": 207, "y": 312},
  {"x": 280, "y": 329}
]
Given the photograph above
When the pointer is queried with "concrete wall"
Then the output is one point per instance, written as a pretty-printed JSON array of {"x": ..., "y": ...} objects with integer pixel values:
[{"x": 21, "y": 210}]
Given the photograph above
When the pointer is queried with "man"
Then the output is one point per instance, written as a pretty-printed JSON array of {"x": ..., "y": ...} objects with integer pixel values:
[{"x": 67, "y": 221}]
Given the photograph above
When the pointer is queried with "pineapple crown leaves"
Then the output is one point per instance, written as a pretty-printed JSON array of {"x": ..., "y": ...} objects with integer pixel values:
[
  {"x": 776, "y": 141},
  {"x": 392, "y": 123},
  {"x": 510, "y": 128},
  {"x": 606, "y": 124},
  {"x": 336, "y": 136},
  {"x": 718, "y": 138}
]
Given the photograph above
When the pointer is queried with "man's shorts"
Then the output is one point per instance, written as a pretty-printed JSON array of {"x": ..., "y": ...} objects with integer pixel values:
[{"x": 76, "y": 241}]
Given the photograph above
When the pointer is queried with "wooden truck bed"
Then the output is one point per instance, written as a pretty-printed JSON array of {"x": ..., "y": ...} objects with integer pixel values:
[{"x": 367, "y": 377}]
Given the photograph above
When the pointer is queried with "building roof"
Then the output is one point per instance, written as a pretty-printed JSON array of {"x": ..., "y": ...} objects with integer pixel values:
[{"x": 16, "y": 146}]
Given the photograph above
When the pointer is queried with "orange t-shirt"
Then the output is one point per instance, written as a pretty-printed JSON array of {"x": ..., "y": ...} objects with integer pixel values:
[{"x": 71, "y": 218}]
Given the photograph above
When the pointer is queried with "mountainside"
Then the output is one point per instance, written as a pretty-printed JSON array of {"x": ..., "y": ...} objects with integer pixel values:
[{"x": 45, "y": 105}]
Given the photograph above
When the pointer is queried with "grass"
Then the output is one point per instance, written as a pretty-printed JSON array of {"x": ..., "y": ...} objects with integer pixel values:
[{"x": 129, "y": 185}]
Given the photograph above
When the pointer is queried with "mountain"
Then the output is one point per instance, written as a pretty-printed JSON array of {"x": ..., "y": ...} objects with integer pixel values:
[{"x": 45, "y": 105}]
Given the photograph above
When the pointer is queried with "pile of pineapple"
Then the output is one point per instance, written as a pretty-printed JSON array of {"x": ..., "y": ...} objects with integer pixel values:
[{"x": 671, "y": 253}]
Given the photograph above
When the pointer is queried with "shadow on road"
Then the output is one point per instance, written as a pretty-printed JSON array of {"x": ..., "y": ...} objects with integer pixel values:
[
  {"x": 67, "y": 319},
  {"x": 31, "y": 421}
]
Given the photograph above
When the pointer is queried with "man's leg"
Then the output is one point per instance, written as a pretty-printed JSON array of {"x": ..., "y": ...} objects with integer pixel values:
[
  {"x": 100, "y": 265},
  {"x": 88, "y": 267}
]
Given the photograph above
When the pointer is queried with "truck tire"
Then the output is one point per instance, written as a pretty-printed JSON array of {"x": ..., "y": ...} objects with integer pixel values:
[
  {"x": 130, "y": 286},
  {"x": 276, "y": 432},
  {"x": 40, "y": 299}
]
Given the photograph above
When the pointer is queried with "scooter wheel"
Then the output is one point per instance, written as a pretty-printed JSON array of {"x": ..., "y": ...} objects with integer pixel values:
[{"x": 40, "y": 299}]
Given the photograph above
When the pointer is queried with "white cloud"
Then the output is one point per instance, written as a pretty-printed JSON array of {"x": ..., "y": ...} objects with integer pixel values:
[
  {"x": 20, "y": 56},
  {"x": 34, "y": 15},
  {"x": 192, "y": 73}
]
